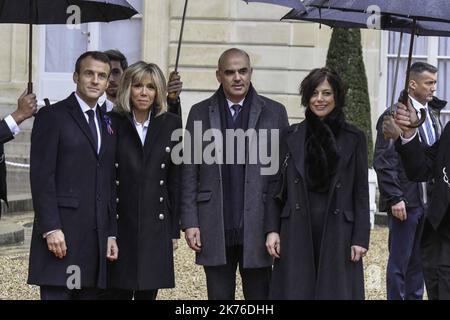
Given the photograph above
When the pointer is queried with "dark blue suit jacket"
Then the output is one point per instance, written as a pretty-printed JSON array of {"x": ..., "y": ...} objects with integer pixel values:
[
  {"x": 5, "y": 136},
  {"x": 73, "y": 190}
]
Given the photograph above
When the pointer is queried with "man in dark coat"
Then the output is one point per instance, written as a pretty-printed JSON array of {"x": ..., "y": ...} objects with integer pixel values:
[
  {"x": 9, "y": 127},
  {"x": 422, "y": 163},
  {"x": 222, "y": 209},
  {"x": 405, "y": 200},
  {"x": 72, "y": 184}
]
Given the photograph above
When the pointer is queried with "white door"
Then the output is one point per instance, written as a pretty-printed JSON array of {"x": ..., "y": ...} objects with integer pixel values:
[{"x": 61, "y": 45}]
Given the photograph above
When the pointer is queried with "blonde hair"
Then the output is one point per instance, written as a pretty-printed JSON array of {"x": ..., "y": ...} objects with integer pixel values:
[{"x": 134, "y": 74}]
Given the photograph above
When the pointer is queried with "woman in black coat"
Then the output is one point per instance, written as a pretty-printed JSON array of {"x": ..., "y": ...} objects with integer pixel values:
[
  {"x": 147, "y": 185},
  {"x": 317, "y": 215}
]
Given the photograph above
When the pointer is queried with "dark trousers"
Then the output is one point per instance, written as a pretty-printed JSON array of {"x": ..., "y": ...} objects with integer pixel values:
[
  {"x": 63, "y": 293},
  {"x": 120, "y": 294},
  {"x": 221, "y": 280},
  {"x": 404, "y": 276},
  {"x": 435, "y": 248}
]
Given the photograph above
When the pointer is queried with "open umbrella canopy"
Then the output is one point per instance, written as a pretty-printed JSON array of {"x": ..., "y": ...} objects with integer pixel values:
[
  {"x": 346, "y": 19},
  {"x": 61, "y": 12},
  {"x": 296, "y": 4},
  {"x": 421, "y": 10},
  {"x": 431, "y": 10},
  {"x": 58, "y": 11}
]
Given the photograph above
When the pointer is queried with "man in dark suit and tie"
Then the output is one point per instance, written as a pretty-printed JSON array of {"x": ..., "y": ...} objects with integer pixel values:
[
  {"x": 406, "y": 200},
  {"x": 9, "y": 127},
  {"x": 422, "y": 163},
  {"x": 72, "y": 184}
]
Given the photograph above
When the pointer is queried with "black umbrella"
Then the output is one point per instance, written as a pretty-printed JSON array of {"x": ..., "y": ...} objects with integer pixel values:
[
  {"x": 336, "y": 18},
  {"x": 437, "y": 10},
  {"x": 296, "y": 4},
  {"x": 60, "y": 12},
  {"x": 346, "y": 19},
  {"x": 415, "y": 10}
]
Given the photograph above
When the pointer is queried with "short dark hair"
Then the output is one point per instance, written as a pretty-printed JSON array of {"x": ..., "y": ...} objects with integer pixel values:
[
  {"x": 96, "y": 55},
  {"x": 315, "y": 78},
  {"x": 116, "y": 55},
  {"x": 418, "y": 68}
]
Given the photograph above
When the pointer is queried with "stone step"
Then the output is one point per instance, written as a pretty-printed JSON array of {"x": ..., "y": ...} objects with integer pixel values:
[
  {"x": 18, "y": 179},
  {"x": 11, "y": 233},
  {"x": 17, "y": 203},
  {"x": 23, "y": 136},
  {"x": 381, "y": 219},
  {"x": 18, "y": 245},
  {"x": 21, "y": 149}
]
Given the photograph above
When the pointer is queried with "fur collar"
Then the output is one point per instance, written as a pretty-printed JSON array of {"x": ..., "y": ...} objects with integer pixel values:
[{"x": 322, "y": 156}]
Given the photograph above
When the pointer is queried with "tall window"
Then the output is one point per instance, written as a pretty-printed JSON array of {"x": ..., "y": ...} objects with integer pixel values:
[
  {"x": 61, "y": 46},
  {"x": 433, "y": 50},
  {"x": 64, "y": 45}
]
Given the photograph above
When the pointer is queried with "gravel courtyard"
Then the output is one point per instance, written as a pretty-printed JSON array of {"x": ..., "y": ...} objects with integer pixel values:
[{"x": 190, "y": 279}]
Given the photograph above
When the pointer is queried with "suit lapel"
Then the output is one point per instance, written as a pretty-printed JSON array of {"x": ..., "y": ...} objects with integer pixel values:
[
  {"x": 255, "y": 111},
  {"x": 76, "y": 113},
  {"x": 102, "y": 116},
  {"x": 214, "y": 121},
  {"x": 129, "y": 117},
  {"x": 296, "y": 144},
  {"x": 152, "y": 133}
]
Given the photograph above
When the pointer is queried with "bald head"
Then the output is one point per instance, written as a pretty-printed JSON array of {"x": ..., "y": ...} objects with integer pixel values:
[
  {"x": 234, "y": 74},
  {"x": 233, "y": 52}
]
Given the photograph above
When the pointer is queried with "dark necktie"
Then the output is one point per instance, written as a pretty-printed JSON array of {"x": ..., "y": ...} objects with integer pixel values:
[
  {"x": 429, "y": 128},
  {"x": 237, "y": 109},
  {"x": 93, "y": 128}
]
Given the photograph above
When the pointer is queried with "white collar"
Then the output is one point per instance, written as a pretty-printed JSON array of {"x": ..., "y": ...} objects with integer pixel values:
[
  {"x": 146, "y": 122},
  {"x": 417, "y": 105},
  {"x": 84, "y": 106},
  {"x": 230, "y": 104}
]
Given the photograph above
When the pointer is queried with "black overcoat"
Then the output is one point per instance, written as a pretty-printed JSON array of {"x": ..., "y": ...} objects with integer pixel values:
[
  {"x": 148, "y": 193},
  {"x": 73, "y": 190},
  {"x": 346, "y": 222}
]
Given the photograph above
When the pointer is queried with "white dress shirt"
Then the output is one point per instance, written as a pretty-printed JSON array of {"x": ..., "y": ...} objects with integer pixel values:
[
  {"x": 12, "y": 125},
  {"x": 84, "y": 108},
  {"x": 104, "y": 99},
  {"x": 230, "y": 104},
  {"x": 142, "y": 128}
]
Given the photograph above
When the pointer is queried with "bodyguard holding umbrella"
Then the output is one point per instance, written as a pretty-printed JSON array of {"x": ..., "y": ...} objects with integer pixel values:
[
  {"x": 9, "y": 127},
  {"x": 423, "y": 163}
]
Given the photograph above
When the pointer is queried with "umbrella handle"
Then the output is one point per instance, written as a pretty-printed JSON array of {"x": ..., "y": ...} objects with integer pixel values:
[
  {"x": 423, "y": 117},
  {"x": 423, "y": 113}
]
